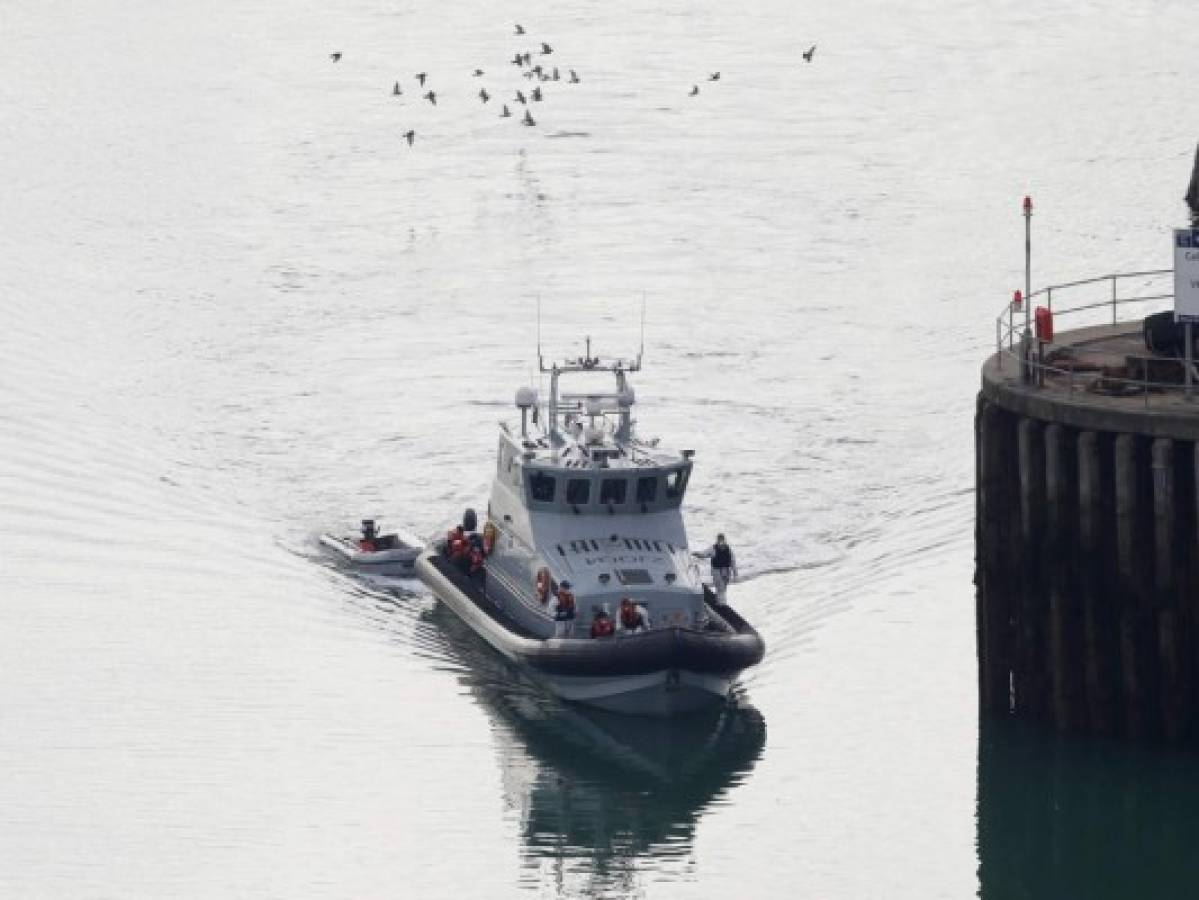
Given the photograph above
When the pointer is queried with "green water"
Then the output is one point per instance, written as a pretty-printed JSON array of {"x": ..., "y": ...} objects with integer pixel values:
[{"x": 1060, "y": 817}]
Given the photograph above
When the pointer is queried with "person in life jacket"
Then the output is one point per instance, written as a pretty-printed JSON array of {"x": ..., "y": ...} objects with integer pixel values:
[
  {"x": 724, "y": 565},
  {"x": 631, "y": 618},
  {"x": 564, "y": 611},
  {"x": 601, "y": 623},
  {"x": 458, "y": 547},
  {"x": 369, "y": 533}
]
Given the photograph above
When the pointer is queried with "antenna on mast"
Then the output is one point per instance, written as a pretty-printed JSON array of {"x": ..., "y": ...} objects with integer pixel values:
[
  {"x": 540, "y": 364},
  {"x": 641, "y": 350}
]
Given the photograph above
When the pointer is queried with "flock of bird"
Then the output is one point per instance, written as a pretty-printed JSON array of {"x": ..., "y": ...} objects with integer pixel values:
[{"x": 541, "y": 72}]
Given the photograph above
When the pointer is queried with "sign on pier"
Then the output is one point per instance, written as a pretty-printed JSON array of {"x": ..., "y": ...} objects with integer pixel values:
[{"x": 1186, "y": 275}]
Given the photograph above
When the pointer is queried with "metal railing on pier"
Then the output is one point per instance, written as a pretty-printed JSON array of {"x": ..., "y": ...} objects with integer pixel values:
[{"x": 1103, "y": 300}]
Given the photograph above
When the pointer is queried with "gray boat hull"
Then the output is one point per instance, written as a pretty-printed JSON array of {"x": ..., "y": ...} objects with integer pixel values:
[{"x": 662, "y": 672}]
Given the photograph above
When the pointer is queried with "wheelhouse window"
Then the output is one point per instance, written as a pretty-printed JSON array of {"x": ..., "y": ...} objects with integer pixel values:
[
  {"x": 613, "y": 491},
  {"x": 541, "y": 487},
  {"x": 647, "y": 489},
  {"x": 676, "y": 483},
  {"x": 578, "y": 491}
]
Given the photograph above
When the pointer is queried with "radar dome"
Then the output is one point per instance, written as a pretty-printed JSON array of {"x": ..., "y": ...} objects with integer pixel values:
[{"x": 526, "y": 397}]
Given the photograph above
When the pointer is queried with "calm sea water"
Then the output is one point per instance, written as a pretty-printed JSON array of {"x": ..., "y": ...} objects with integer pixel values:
[{"x": 238, "y": 310}]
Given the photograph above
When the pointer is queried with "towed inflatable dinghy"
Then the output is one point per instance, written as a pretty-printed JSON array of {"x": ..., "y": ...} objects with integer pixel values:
[{"x": 376, "y": 554}]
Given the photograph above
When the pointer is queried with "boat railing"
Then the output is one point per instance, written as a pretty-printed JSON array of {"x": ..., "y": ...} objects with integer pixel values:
[{"x": 1123, "y": 297}]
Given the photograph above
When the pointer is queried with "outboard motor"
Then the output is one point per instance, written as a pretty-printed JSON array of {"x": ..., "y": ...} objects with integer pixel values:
[{"x": 470, "y": 522}]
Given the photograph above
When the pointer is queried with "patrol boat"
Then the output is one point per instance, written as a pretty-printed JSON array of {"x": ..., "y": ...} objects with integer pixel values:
[{"x": 583, "y": 509}]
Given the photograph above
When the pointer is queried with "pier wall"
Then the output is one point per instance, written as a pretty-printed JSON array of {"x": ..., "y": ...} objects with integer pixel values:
[{"x": 1087, "y": 566}]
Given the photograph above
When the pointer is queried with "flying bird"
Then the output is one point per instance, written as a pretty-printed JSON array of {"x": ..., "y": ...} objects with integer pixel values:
[
  {"x": 809, "y": 53},
  {"x": 420, "y": 76},
  {"x": 694, "y": 90},
  {"x": 555, "y": 73},
  {"x": 431, "y": 97},
  {"x": 546, "y": 48},
  {"x": 335, "y": 56},
  {"x": 715, "y": 76},
  {"x": 528, "y": 120},
  {"x": 536, "y": 95},
  {"x": 519, "y": 30},
  {"x": 574, "y": 78},
  {"x": 520, "y": 97},
  {"x": 478, "y": 73},
  {"x": 506, "y": 113},
  {"x": 483, "y": 95},
  {"x": 528, "y": 59},
  {"x": 410, "y": 136},
  {"x": 517, "y": 60},
  {"x": 395, "y": 91}
]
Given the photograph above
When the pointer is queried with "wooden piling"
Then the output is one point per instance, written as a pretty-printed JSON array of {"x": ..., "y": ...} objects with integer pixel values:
[
  {"x": 1163, "y": 514},
  {"x": 1030, "y": 683},
  {"x": 1167, "y": 626},
  {"x": 1132, "y": 660},
  {"x": 1100, "y": 714},
  {"x": 995, "y": 584},
  {"x": 1065, "y": 631}
]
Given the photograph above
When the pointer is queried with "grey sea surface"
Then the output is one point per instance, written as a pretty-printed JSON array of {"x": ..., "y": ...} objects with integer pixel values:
[{"x": 238, "y": 309}]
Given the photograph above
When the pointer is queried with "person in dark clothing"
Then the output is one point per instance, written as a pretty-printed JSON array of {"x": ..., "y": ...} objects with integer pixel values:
[{"x": 724, "y": 565}]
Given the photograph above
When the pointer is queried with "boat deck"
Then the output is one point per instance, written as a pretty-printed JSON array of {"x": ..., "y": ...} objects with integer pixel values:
[{"x": 474, "y": 588}]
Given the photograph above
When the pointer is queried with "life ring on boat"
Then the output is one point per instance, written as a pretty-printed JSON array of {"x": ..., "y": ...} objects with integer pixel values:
[
  {"x": 489, "y": 535},
  {"x": 543, "y": 584}
]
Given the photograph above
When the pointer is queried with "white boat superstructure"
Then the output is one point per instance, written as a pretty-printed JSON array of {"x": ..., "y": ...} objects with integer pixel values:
[
  {"x": 577, "y": 493},
  {"x": 581, "y": 505}
]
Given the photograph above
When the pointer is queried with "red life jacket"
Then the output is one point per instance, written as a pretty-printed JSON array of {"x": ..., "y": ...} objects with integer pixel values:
[
  {"x": 630, "y": 618},
  {"x": 601, "y": 628},
  {"x": 458, "y": 548},
  {"x": 366, "y": 544}
]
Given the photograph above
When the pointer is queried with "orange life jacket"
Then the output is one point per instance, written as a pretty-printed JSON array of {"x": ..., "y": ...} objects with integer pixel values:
[{"x": 542, "y": 583}]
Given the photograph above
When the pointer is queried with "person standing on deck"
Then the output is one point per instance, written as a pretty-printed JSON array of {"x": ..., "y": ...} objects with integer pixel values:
[
  {"x": 632, "y": 618},
  {"x": 724, "y": 565},
  {"x": 564, "y": 611}
]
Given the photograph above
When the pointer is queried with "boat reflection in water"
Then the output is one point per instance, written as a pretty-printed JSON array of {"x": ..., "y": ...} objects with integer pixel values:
[
  {"x": 601, "y": 796},
  {"x": 1061, "y": 817}
]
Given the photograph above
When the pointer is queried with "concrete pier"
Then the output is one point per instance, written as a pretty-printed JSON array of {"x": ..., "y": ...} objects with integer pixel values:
[{"x": 1088, "y": 548}]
